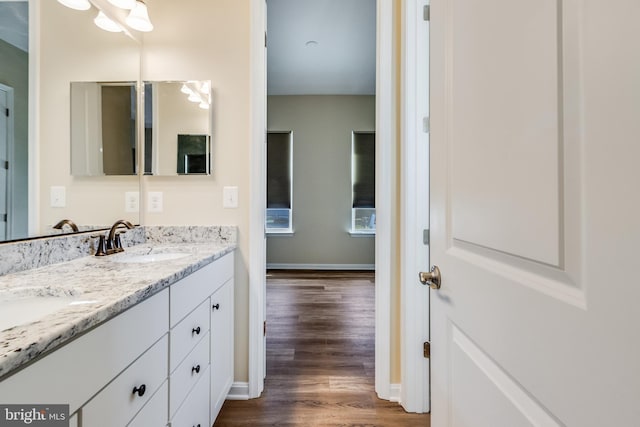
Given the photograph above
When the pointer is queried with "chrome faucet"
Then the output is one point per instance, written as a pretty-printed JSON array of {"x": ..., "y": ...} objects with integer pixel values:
[{"x": 68, "y": 222}]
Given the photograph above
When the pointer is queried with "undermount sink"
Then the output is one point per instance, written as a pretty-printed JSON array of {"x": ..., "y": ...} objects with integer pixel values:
[
  {"x": 153, "y": 257},
  {"x": 19, "y": 306}
]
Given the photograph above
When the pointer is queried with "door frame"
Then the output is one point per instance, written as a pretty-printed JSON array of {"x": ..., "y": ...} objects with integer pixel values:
[
  {"x": 385, "y": 254},
  {"x": 10, "y": 158},
  {"x": 415, "y": 374}
]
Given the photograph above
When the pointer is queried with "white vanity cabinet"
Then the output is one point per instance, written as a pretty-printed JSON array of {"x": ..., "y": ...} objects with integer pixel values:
[
  {"x": 167, "y": 361},
  {"x": 97, "y": 372},
  {"x": 201, "y": 343}
]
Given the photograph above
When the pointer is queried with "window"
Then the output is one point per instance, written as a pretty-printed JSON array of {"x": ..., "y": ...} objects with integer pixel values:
[
  {"x": 279, "y": 182},
  {"x": 363, "y": 182}
]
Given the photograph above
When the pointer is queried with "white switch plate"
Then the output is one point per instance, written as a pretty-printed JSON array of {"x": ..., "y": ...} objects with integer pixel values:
[
  {"x": 155, "y": 201},
  {"x": 230, "y": 197},
  {"x": 58, "y": 197},
  {"x": 132, "y": 201}
]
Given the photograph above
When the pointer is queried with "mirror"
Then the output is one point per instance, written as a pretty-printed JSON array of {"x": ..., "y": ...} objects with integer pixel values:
[
  {"x": 67, "y": 48},
  {"x": 177, "y": 137},
  {"x": 103, "y": 128}
]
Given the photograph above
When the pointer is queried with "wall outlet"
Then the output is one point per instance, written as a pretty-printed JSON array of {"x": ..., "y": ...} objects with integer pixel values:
[
  {"x": 230, "y": 197},
  {"x": 154, "y": 202},
  {"x": 58, "y": 197},
  {"x": 132, "y": 201}
]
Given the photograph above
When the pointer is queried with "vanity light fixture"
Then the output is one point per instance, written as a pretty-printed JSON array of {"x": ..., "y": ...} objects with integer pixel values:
[
  {"x": 186, "y": 89},
  {"x": 107, "y": 24},
  {"x": 138, "y": 18},
  {"x": 194, "y": 97},
  {"x": 124, "y": 4},
  {"x": 76, "y": 4},
  {"x": 204, "y": 105}
]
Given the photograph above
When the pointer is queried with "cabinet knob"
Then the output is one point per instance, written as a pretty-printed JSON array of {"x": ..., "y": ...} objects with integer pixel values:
[
  {"x": 196, "y": 331},
  {"x": 216, "y": 306},
  {"x": 195, "y": 369},
  {"x": 140, "y": 390}
]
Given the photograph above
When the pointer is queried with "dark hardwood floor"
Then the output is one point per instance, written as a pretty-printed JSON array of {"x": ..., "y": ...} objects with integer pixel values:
[{"x": 320, "y": 356}]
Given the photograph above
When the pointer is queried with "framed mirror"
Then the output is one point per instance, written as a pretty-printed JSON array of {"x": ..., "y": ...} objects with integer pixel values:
[
  {"x": 103, "y": 128},
  {"x": 177, "y": 137}
]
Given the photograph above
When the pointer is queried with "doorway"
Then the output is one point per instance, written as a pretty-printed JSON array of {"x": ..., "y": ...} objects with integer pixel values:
[
  {"x": 6, "y": 149},
  {"x": 386, "y": 199}
]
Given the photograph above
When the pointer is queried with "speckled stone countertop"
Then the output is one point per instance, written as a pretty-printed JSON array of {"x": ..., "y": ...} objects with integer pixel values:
[{"x": 103, "y": 288}]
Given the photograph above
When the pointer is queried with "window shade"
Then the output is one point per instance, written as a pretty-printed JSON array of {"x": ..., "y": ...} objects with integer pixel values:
[
  {"x": 279, "y": 170},
  {"x": 364, "y": 170}
]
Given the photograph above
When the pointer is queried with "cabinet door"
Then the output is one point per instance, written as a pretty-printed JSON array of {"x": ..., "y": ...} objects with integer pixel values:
[{"x": 222, "y": 303}]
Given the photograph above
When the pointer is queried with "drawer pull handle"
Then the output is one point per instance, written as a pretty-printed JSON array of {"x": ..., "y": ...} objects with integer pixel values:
[
  {"x": 197, "y": 425},
  {"x": 195, "y": 369},
  {"x": 196, "y": 331},
  {"x": 216, "y": 306},
  {"x": 140, "y": 390}
]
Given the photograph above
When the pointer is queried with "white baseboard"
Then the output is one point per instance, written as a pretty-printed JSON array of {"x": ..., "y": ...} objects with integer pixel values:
[
  {"x": 394, "y": 392},
  {"x": 276, "y": 266},
  {"x": 239, "y": 391}
]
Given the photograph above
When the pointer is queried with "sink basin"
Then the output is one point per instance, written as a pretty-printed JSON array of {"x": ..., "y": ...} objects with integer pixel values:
[
  {"x": 19, "y": 306},
  {"x": 146, "y": 258}
]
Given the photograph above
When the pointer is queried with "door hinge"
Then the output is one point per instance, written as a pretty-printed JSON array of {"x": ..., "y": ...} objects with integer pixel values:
[
  {"x": 425, "y": 236},
  {"x": 264, "y": 328},
  {"x": 265, "y": 39},
  {"x": 5, "y": 164},
  {"x": 426, "y": 125},
  {"x": 6, "y": 112},
  {"x": 427, "y": 350},
  {"x": 426, "y": 13},
  {"x": 3, "y": 218}
]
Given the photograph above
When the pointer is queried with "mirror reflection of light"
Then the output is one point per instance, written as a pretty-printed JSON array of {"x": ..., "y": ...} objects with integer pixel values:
[{"x": 204, "y": 105}]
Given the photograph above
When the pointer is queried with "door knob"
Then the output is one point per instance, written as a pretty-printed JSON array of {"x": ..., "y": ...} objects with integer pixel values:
[{"x": 432, "y": 278}]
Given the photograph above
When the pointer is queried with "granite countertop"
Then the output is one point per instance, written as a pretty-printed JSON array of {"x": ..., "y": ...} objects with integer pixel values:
[{"x": 102, "y": 288}]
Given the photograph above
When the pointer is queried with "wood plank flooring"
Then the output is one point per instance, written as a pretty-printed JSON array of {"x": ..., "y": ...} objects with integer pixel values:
[{"x": 320, "y": 356}]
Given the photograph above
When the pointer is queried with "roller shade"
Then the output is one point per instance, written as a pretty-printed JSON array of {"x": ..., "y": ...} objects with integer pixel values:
[
  {"x": 279, "y": 170},
  {"x": 364, "y": 170}
]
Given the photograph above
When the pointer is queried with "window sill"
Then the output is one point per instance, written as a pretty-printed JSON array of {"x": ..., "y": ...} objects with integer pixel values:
[
  {"x": 278, "y": 233},
  {"x": 358, "y": 233}
]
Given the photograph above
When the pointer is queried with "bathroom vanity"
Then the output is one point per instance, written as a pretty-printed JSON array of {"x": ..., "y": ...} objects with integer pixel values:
[{"x": 149, "y": 342}]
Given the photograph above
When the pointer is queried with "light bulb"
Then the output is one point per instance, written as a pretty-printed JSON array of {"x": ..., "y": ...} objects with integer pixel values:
[
  {"x": 124, "y": 4},
  {"x": 186, "y": 89},
  {"x": 204, "y": 105},
  {"x": 138, "y": 18},
  {"x": 76, "y": 4},
  {"x": 107, "y": 24},
  {"x": 194, "y": 97}
]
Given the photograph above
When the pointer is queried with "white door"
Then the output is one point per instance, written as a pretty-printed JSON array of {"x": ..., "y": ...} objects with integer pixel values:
[
  {"x": 535, "y": 212},
  {"x": 4, "y": 158}
]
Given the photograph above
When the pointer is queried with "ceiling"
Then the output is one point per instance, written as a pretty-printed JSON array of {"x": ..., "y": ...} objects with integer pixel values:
[
  {"x": 14, "y": 23},
  {"x": 321, "y": 47}
]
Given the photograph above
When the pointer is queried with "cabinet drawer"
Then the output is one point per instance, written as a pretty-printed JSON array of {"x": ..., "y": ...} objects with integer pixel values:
[
  {"x": 86, "y": 364},
  {"x": 118, "y": 403},
  {"x": 187, "y": 293},
  {"x": 194, "y": 412},
  {"x": 154, "y": 413},
  {"x": 189, "y": 372},
  {"x": 187, "y": 333}
]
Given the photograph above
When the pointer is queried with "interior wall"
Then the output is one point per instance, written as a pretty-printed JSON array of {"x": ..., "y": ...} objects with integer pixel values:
[
  {"x": 15, "y": 73},
  {"x": 73, "y": 48},
  {"x": 209, "y": 40},
  {"x": 322, "y": 126}
]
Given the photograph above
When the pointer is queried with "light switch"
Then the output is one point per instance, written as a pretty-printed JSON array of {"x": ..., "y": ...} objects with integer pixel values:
[
  {"x": 230, "y": 197},
  {"x": 132, "y": 201},
  {"x": 58, "y": 197},
  {"x": 155, "y": 201}
]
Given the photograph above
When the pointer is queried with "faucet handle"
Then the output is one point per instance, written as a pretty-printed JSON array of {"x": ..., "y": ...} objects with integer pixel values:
[
  {"x": 117, "y": 243},
  {"x": 101, "y": 249}
]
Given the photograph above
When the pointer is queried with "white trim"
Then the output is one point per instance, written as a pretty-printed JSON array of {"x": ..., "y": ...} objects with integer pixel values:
[
  {"x": 385, "y": 188},
  {"x": 354, "y": 233},
  {"x": 277, "y": 266},
  {"x": 285, "y": 233},
  {"x": 10, "y": 180},
  {"x": 415, "y": 209},
  {"x": 257, "y": 235},
  {"x": 34, "y": 117},
  {"x": 395, "y": 392},
  {"x": 239, "y": 391}
]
